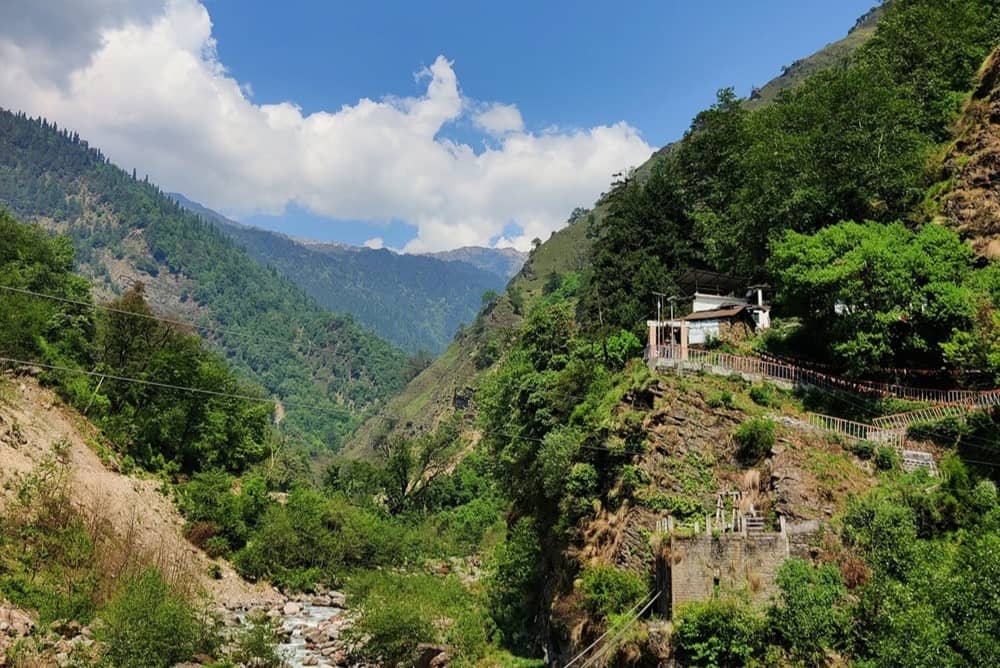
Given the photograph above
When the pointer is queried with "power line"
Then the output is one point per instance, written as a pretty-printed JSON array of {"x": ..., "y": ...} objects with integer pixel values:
[
  {"x": 169, "y": 386},
  {"x": 180, "y": 323},
  {"x": 611, "y": 627},
  {"x": 611, "y": 643}
]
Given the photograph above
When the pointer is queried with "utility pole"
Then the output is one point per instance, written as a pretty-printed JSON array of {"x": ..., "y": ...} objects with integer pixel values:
[
  {"x": 672, "y": 299},
  {"x": 659, "y": 320}
]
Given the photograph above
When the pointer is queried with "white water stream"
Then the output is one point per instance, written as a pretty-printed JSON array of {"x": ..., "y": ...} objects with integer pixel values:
[{"x": 294, "y": 651}]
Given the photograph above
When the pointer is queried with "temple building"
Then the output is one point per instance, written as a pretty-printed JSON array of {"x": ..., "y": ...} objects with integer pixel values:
[{"x": 722, "y": 308}]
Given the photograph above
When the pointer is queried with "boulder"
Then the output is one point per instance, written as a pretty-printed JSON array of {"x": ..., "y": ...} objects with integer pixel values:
[
  {"x": 431, "y": 656},
  {"x": 17, "y": 622},
  {"x": 291, "y": 608}
]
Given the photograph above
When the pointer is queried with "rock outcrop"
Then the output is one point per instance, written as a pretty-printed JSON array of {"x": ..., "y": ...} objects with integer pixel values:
[{"x": 972, "y": 203}]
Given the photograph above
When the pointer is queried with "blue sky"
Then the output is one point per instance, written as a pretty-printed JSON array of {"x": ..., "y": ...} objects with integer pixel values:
[
  {"x": 424, "y": 125},
  {"x": 652, "y": 64}
]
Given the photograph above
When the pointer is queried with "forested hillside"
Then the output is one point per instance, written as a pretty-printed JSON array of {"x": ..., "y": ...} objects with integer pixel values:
[
  {"x": 757, "y": 193},
  {"x": 326, "y": 367},
  {"x": 567, "y": 251},
  {"x": 825, "y": 193},
  {"x": 539, "y": 494},
  {"x": 413, "y": 301},
  {"x": 87, "y": 582}
]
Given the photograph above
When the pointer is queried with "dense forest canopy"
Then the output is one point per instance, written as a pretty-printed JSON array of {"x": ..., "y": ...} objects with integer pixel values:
[
  {"x": 269, "y": 329},
  {"x": 856, "y": 142}
]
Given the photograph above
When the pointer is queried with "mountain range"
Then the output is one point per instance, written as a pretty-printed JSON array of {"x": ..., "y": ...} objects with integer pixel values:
[
  {"x": 327, "y": 368},
  {"x": 416, "y": 302}
]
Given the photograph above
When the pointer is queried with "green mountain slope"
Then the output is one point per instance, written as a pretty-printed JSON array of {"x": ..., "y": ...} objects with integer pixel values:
[
  {"x": 328, "y": 369},
  {"x": 438, "y": 390},
  {"x": 567, "y": 250},
  {"x": 414, "y": 301}
]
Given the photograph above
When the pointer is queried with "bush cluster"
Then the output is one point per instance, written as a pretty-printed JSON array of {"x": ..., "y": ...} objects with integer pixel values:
[{"x": 754, "y": 439}]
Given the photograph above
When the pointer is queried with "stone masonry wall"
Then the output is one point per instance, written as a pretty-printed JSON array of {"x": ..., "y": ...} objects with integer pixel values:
[{"x": 700, "y": 564}]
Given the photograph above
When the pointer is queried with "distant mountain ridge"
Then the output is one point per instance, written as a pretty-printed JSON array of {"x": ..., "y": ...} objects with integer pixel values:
[
  {"x": 325, "y": 368},
  {"x": 503, "y": 261},
  {"x": 417, "y": 302}
]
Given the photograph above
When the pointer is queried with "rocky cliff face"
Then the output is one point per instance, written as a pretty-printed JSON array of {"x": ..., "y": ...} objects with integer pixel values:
[
  {"x": 690, "y": 456},
  {"x": 973, "y": 166}
]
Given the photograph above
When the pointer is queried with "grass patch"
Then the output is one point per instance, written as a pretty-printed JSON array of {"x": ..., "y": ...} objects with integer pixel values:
[{"x": 681, "y": 507}]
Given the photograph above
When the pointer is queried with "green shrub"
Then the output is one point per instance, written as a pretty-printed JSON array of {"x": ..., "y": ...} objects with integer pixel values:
[
  {"x": 47, "y": 553},
  {"x": 582, "y": 480},
  {"x": 716, "y": 633},
  {"x": 764, "y": 395},
  {"x": 149, "y": 625},
  {"x": 681, "y": 507},
  {"x": 632, "y": 478},
  {"x": 469, "y": 522},
  {"x": 610, "y": 591},
  {"x": 400, "y": 611},
  {"x": 622, "y": 347},
  {"x": 390, "y": 632},
  {"x": 886, "y": 458},
  {"x": 883, "y": 532},
  {"x": 216, "y": 546},
  {"x": 945, "y": 432},
  {"x": 720, "y": 399},
  {"x": 257, "y": 643},
  {"x": 512, "y": 580},
  {"x": 755, "y": 438},
  {"x": 811, "y": 615},
  {"x": 864, "y": 449}
]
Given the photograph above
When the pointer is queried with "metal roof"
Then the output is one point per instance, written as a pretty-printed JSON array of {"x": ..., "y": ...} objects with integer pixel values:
[{"x": 717, "y": 314}]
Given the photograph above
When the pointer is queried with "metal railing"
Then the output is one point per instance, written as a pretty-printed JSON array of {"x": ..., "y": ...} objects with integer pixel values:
[
  {"x": 857, "y": 431},
  {"x": 904, "y": 420},
  {"x": 783, "y": 371}
]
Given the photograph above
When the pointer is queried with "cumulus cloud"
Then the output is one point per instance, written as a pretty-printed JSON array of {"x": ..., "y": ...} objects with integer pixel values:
[
  {"x": 375, "y": 243},
  {"x": 51, "y": 37},
  {"x": 149, "y": 89},
  {"x": 499, "y": 119}
]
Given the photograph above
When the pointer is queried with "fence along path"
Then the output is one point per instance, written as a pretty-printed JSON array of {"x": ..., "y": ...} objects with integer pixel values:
[
  {"x": 858, "y": 431},
  {"x": 904, "y": 420},
  {"x": 784, "y": 371},
  {"x": 888, "y": 430}
]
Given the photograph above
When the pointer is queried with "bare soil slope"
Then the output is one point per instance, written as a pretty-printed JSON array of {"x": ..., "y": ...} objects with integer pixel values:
[{"x": 34, "y": 425}]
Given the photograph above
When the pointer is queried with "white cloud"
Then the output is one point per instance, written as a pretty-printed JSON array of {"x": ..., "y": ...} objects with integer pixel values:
[
  {"x": 149, "y": 89},
  {"x": 499, "y": 119},
  {"x": 375, "y": 243}
]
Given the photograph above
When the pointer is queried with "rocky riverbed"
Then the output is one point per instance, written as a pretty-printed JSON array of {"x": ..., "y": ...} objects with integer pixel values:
[
  {"x": 310, "y": 632},
  {"x": 311, "y": 628}
]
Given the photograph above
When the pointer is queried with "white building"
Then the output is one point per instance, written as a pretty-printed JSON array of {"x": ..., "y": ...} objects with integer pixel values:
[{"x": 719, "y": 311}]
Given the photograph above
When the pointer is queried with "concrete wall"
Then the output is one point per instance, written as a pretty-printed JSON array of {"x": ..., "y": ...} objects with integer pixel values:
[
  {"x": 694, "y": 367},
  {"x": 701, "y": 564},
  {"x": 706, "y": 302},
  {"x": 700, "y": 331}
]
